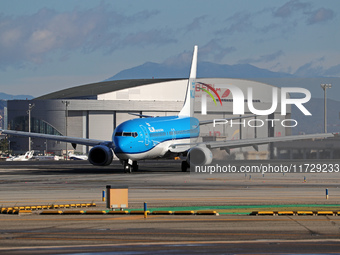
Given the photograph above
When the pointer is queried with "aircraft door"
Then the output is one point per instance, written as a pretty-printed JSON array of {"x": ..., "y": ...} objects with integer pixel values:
[
  {"x": 173, "y": 133},
  {"x": 146, "y": 135}
]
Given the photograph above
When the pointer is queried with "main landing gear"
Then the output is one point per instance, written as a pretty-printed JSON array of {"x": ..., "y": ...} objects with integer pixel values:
[
  {"x": 130, "y": 166},
  {"x": 184, "y": 166}
]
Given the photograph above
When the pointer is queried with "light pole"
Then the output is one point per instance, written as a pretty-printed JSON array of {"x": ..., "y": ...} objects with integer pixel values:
[
  {"x": 30, "y": 107},
  {"x": 325, "y": 87},
  {"x": 45, "y": 154},
  {"x": 67, "y": 103}
]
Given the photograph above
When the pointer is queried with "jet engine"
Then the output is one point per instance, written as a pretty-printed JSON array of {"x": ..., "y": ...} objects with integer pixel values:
[
  {"x": 199, "y": 155},
  {"x": 100, "y": 155}
]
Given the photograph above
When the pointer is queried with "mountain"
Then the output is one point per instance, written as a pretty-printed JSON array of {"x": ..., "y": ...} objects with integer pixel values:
[
  {"x": 4, "y": 96},
  {"x": 242, "y": 71},
  {"x": 150, "y": 70}
]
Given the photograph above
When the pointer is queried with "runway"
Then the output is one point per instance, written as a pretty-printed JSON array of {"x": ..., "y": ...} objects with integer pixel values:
[{"x": 162, "y": 184}]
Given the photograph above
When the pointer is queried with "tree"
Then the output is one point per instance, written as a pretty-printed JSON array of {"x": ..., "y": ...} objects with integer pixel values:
[{"x": 4, "y": 145}]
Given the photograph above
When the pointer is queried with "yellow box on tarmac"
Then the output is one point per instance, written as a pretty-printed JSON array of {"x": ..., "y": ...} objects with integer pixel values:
[
  {"x": 305, "y": 213},
  {"x": 285, "y": 213},
  {"x": 265, "y": 213},
  {"x": 325, "y": 213},
  {"x": 24, "y": 212}
]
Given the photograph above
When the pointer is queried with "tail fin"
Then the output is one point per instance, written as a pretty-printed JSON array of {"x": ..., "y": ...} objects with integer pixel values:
[{"x": 188, "y": 107}]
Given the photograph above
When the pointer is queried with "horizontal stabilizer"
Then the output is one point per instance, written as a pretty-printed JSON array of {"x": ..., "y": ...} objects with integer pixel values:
[{"x": 141, "y": 115}]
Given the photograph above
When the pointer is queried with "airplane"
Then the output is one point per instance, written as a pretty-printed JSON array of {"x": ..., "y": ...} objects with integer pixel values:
[
  {"x": 77, "y": 157},
  {"x": 150, "y": 137},
  {"x": 28, "y": 156}
]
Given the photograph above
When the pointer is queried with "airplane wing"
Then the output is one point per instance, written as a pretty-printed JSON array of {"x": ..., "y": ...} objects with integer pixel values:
[
  {"x": 72, "y": 140},
  {"x": 254, "y": 142}
]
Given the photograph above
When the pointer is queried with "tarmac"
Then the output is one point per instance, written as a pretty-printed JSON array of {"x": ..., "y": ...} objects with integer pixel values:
[{"x": 164, "y": 187}]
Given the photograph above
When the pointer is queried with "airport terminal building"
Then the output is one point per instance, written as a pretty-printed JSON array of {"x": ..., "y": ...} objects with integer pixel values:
[{"x": 95, "y": 110}]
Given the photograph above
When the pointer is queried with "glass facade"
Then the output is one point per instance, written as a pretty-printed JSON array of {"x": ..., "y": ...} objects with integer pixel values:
[{"x": 37, "y": 126}]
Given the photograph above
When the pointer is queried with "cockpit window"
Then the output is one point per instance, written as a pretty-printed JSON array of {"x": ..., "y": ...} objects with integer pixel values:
[{"x": 133, "y": 134}]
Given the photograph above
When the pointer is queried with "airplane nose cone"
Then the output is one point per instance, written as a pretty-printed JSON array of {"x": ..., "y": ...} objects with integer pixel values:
[{"x": 123, "y": 144}]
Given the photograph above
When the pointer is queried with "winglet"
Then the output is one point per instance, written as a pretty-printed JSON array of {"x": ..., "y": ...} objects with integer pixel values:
[{"x": 188, "y": 107}]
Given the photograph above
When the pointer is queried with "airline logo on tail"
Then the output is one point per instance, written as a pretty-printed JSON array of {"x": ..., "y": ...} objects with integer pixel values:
[{"x": 209, "y": 93}]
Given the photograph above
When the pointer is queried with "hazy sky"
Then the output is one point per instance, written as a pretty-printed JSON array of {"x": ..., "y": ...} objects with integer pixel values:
[{"x": 48, "y": 45}]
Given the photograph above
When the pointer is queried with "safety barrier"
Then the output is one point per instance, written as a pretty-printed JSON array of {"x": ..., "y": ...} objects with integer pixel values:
[
  {"x": 184, "y": 213},
  {"x": 45, "y": 207},
  {"x": 139, "y": 212},
  {"x": 117, "y": 212},
  {"x": 51, "y": 212},
  {"x": 206, "y": 212},
  {"x": 300, "y": 213},
  {"x": 162, "y": 212},
  {"x": 73, "y": 212},
  {"x": 53, "y": 209}
]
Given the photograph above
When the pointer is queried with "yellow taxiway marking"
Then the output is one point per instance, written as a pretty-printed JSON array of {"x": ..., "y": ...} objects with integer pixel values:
[{"x": 80, "y": 218}]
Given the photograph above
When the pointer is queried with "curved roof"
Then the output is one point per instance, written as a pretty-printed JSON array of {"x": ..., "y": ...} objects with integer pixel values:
[{"x": 91, "y": 91}]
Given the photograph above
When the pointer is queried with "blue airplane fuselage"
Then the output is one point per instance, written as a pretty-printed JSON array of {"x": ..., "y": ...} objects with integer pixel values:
[{"x": 151, "y": 137}]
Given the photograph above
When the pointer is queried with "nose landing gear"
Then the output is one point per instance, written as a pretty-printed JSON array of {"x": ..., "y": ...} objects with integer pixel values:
[{"x": 130, "y": 166}]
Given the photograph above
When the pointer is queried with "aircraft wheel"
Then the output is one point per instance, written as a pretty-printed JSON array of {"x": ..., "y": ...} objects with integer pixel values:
[
  {"x": 127, "y": 167},
  {"x": 184, "y": 166},
  {"x": 135, "y": 166}
]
